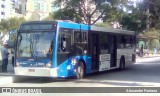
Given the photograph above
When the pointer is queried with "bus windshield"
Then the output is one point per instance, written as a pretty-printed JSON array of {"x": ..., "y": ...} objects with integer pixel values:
[{"x": 35, "y": 44}]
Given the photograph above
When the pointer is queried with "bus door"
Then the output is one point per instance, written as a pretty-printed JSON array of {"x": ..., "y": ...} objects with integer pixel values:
[
  {"x": 95, "y": 51},
  {"x": 113, "y": 50}
]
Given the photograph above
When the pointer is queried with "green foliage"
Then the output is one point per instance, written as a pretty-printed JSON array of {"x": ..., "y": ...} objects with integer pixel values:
[
  {"x": 76, "y": 10},
  {"x": 154, "y": 43},
  {"x": 67, "y": 14},
  {"x": 11, "y": 23},
  {"x": 152, "y": 34},
  {"x": 107, "y": 25},
  {"x": 4, "y": 25},
  {"x": 50, "y": 17},
  {"x": 148, "y": 11},
  {"x": 131, "y": 22},
  {"x": 152, "y": 38},
  {"x": 112, "y": 14}
]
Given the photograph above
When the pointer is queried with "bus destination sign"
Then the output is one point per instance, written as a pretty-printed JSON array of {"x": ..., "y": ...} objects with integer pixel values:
[{"x": 37, "y": 26}]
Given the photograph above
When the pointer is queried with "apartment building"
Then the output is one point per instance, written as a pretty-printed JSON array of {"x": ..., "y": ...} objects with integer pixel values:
[
  {"x": 11, "y": 8},
  {"x": 30, "y": 9},
  {"x": 38, "y": 9},
  {"x": 6, "y": 9}
]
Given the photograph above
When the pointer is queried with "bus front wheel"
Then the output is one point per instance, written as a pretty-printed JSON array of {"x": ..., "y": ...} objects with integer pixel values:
[{"x": 80, "y": 70}]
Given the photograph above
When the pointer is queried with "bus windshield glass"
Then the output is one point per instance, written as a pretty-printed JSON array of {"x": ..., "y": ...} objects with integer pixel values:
[{"x": 35, "y": 44}]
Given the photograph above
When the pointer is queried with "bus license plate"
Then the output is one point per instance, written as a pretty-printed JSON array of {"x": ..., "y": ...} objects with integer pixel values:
[{"x": 31, "y": 70}]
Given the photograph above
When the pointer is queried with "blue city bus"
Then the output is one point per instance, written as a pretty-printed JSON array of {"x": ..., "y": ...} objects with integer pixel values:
[{"x": 66, "y": 49}]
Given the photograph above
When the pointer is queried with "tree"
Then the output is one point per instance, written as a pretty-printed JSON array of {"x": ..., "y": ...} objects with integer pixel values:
[
  {"x": 67, "y": 14},
  {"x": 87, "y": 11},
  {"x": 105, "y": 24},
  {"x": 11, "y": 23},
  {"x": 4, "y": 25},
  {"x": 150, "y": 13},
  {"x": 50, "y": 17}
]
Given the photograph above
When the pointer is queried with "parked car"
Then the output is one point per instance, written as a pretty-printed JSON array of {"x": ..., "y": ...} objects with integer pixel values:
[
  {"x": 145, "y": 51},
  {"x": 139, "y": 52}
]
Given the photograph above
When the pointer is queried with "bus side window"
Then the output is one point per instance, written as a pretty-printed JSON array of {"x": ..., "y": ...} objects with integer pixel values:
[
  {"x": 104, "y": 44},
  {"x": 133, "y": 42},
  {"x": 123, "y": 41},
  {"x": 128, "y": 42},
  {"x": 77, "y": 36},
  {"x": 64, "y": 43}
]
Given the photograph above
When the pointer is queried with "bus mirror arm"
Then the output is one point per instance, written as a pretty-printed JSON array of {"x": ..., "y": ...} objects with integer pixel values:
[{"x": 49, "y": 54}]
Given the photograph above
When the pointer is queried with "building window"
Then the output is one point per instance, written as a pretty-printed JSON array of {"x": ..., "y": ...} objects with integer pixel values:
[
  {"x": 36, "y": 6},
  {"x": 41, "y": 7},
  {"x": 2, "y": 13},
  {"x": 2, "y": 6},
  {"x": 13, "y": 1}
]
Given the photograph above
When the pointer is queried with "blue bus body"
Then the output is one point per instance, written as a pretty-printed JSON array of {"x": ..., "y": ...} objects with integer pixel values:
[{"x": 32, "y": 58}]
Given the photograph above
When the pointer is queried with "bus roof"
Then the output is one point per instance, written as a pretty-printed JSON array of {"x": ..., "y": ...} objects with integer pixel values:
[
  {"x": 61, "y": 23},
  {"x": 111, "y": 30},
  {"x": 72, "y": 25}
]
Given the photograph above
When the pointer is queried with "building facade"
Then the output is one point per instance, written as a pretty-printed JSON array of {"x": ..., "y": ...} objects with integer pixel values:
[
  {"x": 30, "y": 9},
  {"x": 11, "y": 8},
  {"x": 6, "y": 9},
  {"x": 38, "y": 9}
]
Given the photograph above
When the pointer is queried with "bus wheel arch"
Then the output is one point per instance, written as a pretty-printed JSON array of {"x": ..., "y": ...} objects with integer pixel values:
[
  {"x": 122, "y": 63},
  {"x": 81, "y": 68}
]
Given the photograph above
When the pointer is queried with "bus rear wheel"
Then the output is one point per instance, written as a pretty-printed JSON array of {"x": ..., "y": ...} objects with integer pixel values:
[{"x": 80, "y": 70}]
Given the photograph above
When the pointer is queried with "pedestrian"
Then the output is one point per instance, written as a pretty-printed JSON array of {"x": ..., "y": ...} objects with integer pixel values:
[
  {"x": 141, "y": 50},
  {"x": 13, "y": 55},
  {"x": 4, "y": 55},
  {"x": 155, "y": 50}
]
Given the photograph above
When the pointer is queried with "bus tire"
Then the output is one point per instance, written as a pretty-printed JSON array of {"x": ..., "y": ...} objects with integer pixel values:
[
  {"x": 80, "y": 70},
  {"x": 122, "y": 64}
]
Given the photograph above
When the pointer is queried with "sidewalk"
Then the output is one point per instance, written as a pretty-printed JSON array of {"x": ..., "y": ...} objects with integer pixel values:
[
  {"x": 6, "y": 78},
  {"x": 9, "y": 77},
  {"x": 148, "y": 58},
  {"x": 9, "y": 67}
]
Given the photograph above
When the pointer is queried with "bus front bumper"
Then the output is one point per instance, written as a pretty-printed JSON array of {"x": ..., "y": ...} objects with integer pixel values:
[{"x": 37, "y": 72}]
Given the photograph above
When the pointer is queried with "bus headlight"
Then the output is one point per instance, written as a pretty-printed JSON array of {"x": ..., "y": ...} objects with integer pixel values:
[
  {"x": 17, "y": 64},
  {"x": 48, "y": 65}
]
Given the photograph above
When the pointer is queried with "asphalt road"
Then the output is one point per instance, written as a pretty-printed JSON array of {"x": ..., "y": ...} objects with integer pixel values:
[{"x": 139, "y": 75}]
